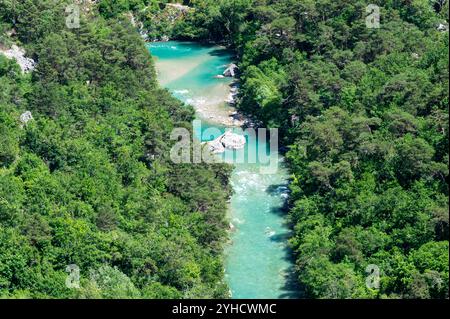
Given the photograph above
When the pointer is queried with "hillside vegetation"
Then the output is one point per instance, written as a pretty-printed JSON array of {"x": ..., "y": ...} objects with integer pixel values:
[
  {"x": 89, "y": 181},
  {"x": 364, "y": 114}
]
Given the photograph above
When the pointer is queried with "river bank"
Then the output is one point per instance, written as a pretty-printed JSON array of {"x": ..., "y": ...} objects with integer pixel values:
[{"x": 211, "y": 94}]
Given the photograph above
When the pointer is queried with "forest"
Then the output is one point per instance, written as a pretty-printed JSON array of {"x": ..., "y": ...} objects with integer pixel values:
[
  {"x": 362, "y": 112},
  {"x": 88, "y": 181},
  {"x": 364, "y": 115}
]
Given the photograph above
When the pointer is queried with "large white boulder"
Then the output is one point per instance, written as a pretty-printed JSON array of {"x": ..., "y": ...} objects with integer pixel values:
[
  {"x": 228, "y": 140},
  {"x": 231, "y": 70},
  {"x": 233, "y": 141}
]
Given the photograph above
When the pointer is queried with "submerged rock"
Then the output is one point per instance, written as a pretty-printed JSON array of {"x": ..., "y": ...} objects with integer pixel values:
[{"x": 269, "y": 232}]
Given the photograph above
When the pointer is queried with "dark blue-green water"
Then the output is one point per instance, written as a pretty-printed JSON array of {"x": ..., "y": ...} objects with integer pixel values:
[{"x": 258, "y": 263}]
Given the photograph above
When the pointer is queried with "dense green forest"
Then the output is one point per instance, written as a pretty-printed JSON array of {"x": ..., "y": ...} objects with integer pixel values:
[
  {"x": 363, "y": 113},
  {"x": 89, "y": 181}
]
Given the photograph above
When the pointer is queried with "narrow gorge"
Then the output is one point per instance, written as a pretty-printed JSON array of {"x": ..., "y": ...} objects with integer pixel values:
[{"x": 257, "y": 260}]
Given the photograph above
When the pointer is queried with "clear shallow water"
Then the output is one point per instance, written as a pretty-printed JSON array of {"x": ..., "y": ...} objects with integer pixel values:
[
  {"x": 258, "y": 263},
  {"x": 190, "y": 71}
]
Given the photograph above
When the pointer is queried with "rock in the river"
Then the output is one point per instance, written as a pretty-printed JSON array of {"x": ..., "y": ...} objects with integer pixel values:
[
  {"x": 233, "y": 141},
  {"x": 231, "y": 99},
  {"x": 232, "y": 95},
  {"x": 17, "y": 53},
  {"x": 216, "y": 146},
  {"x": 228, "y": 140},
  {"x": 231, "y": 70}
]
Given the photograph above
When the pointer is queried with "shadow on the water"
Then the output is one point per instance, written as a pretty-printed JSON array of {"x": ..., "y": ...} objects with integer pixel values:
[
  {"x": 220, "y": 53},
  {"x": 277, "y": 189},
  {"x": 291, "y": 288},
  {"x": 281, "y": 238},
  {"x": 281, "y": 211}
]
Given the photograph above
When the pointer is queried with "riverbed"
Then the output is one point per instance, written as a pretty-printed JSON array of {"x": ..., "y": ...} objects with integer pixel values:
[{"x": 258, "y": 263}]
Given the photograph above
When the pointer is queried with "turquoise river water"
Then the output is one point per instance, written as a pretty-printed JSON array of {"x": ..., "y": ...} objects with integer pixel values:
[{"x": 257, "y": 260}]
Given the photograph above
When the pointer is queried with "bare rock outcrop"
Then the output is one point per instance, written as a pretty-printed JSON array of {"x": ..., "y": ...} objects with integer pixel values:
[{"x": 17, "y": 53}]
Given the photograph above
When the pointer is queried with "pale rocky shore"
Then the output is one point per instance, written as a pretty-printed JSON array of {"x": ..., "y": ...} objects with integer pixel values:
[
  {"x": 220, "y": 113},
  {"x": 225, "y": 112},
  {"x": 217, "y": 106}
]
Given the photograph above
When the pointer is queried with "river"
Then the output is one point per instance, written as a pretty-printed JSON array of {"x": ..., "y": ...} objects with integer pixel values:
[{"x": 258, "y": 263}]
